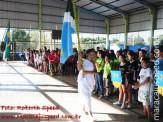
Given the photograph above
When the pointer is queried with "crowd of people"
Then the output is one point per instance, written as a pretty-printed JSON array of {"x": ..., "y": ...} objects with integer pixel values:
[
  {"x": 49, "y": 61},
  {"x": 137, "y": 69}
]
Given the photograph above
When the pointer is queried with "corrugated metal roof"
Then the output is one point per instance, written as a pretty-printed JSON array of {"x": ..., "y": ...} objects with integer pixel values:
[
  {"x": 154, "y": 1},
  {"x": 91, "y": 6},
  {"x": 113, "y": 7}
]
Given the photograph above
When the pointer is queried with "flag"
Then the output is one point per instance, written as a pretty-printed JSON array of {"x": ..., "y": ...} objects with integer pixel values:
[
  {"x": 8, "y": 42},
  {"x": 116, "y": 78},
  {"x": 159, "y": 82},
  {"x": 68, "y": 29}
]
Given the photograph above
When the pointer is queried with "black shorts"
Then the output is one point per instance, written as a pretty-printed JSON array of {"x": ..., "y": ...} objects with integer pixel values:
[
  {"x": 39, "y": 64},
  {"x": 130, "y": 81},
  {"x": 123, "y": 81},
  {"x": 107, "y": 82},
  {"x": 69, "y": 64}
]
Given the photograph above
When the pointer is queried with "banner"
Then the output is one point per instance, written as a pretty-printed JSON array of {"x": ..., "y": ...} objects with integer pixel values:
[
  {"x": 159, "y": 82},
  {"x": 116, "y": 78}
]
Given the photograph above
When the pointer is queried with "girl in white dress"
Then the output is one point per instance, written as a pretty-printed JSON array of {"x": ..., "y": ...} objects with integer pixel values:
[{"x": 86, "y": 84}]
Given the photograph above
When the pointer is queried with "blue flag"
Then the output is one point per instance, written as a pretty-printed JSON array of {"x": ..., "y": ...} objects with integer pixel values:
[{"x": 68, "y": 29}]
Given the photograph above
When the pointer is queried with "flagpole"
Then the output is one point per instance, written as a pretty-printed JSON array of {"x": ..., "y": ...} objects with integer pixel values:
[{"x": 77, "y": 31}]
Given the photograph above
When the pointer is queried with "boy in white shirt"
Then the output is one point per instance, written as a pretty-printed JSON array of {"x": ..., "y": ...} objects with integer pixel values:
[{"x": 144, "y": 86}]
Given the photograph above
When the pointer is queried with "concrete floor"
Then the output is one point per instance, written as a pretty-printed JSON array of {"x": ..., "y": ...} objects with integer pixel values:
[{"x": 21, "y": 86}]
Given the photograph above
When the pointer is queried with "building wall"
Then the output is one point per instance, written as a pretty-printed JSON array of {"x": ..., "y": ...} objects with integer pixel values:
[
  {"x": 25, "y": 14},
  {"x": 138, "y": 21}
]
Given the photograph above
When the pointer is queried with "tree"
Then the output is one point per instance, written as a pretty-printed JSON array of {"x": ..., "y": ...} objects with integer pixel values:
[
  {"x": 21, "y": 38},
  {"x": 130, "y": 40},
  {"x": 34, "y": 40},
  {"x": 159, "y": 40},
  {"x": 120, "y": 43},
  {"x": 114, "y": 40},
  {"x": 139, "y": 41}
]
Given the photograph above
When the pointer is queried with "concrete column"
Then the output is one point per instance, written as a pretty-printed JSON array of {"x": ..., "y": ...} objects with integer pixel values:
[
  {"x": 40, "y": 21},
  {"x": 125, "y": 18},
  {"x": 153, "y": 15},
  {"x": 108, "y": 33}
]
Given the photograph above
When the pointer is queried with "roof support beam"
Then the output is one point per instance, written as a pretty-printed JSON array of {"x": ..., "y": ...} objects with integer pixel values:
[
  {"x": 110, "y": 7},
  {"x": 85, "y": 10},
  {"x": 145, "y": 4}
]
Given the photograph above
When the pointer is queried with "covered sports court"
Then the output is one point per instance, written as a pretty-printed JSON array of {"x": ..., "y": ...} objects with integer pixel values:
[{"x": 24, "y": 86}]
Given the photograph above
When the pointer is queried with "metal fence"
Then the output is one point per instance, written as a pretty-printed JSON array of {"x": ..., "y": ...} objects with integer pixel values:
[{"x": 13, "y": 56}]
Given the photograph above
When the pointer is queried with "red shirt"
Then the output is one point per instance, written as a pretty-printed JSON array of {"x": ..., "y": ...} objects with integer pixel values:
[
  {"x": 56, "y": 59},
  {"x": 70, "y": 59},
  {"x": 59, "y": 58},
  {"x": 51, "y": 59}
]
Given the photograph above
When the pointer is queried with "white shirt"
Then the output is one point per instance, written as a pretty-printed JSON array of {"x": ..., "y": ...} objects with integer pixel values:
[
  {"x": 88, "y": 81},
  {"x": 144, "y": 73}
]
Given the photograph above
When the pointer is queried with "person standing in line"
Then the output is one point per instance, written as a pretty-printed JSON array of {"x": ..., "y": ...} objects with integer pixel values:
[
  {"x": 51, "y": 63},
  {"x": 122, "y": 89},
  {"x": 132, "y": 76},
  {"x": 22, "y": 55},
  {"x": 107, "y": 77},
  {"x": 28, "y": 56},
  {"x": 56, "y": 61},
  {"x": 44, "y": 59},
  {"x": 99, "y": 77},
  {"x": 144, "y": 87},
  {"x": 159, "y": 66},
  {"x": 151, "y": 65},
  {"x": 40, "y": 61}
]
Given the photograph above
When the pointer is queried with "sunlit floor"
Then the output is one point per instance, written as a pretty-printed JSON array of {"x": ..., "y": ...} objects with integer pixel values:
[{"x": 23, "y": 86}]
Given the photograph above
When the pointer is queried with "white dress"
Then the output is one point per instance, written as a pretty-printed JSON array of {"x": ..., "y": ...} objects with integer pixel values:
[{"x": 86, "y": 84}]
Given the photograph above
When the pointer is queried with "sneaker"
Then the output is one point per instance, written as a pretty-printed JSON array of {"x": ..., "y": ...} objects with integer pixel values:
[
  {"x": 51, "y": 75},
  {"x": 101, "y": 96},
  {"x": 129, "y": 106},
  {"x": 94, "y": 93},
  {"x": 123, "y": 106},
  {"x": 117, "y": 103},
  {"x": 106, "y": 97}
]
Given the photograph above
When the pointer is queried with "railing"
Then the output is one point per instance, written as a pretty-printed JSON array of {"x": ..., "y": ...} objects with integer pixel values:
[{"x": 13, "y": 56}]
